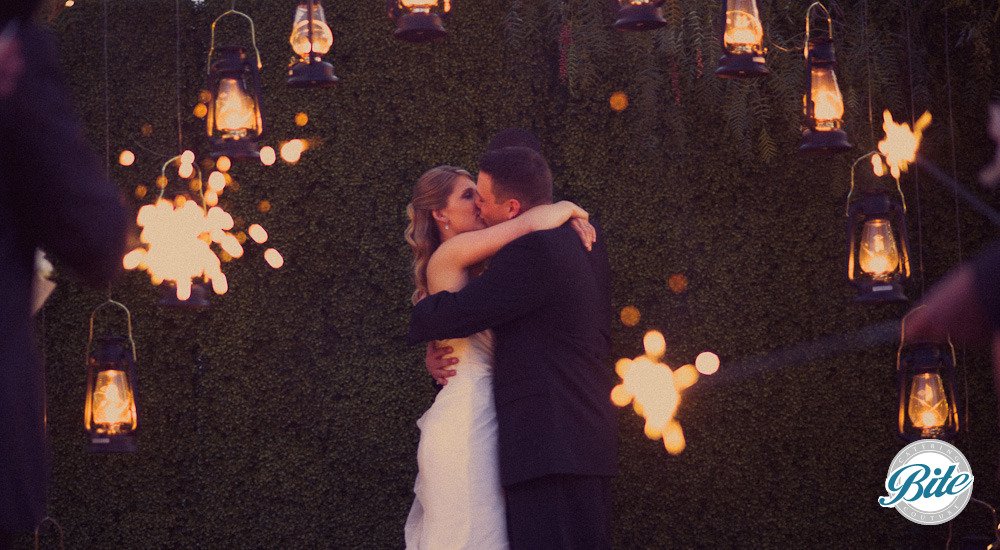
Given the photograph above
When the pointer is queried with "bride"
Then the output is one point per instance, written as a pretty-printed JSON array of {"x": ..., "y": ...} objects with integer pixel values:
[{"x": 459, "y": 502}]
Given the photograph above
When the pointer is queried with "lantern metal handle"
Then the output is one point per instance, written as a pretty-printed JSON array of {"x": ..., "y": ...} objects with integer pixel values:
[
  {"x": 253, "y": 38},
  {"x": 902, "y": 339},
  {"x": 847, "y": 208},
  {"x": 829, "y": 25},
  {"x": 128, "y": 316},
  {"x": 38, "y": 532},
  {"x": 201, "y": 188}
]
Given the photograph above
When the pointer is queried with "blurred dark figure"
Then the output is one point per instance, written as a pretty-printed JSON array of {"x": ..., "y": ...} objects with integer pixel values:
[
  {"x": 54, "y": 196},
  {"x": 965, "y": 305}
]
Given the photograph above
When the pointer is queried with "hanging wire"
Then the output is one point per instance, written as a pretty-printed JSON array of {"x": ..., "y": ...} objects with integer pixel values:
[
  {"x": 107, "y": 105},
  {"x": 868, "y": 66},
  {"x": 107, "y": 96},
  {"x": 958, "y": 213},
  {"x": 916, "y": 174},
  {"x": 177, "y": 88}
]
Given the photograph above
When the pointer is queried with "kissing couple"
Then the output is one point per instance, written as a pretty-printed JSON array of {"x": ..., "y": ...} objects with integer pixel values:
[{"x": 519, "y": 447}]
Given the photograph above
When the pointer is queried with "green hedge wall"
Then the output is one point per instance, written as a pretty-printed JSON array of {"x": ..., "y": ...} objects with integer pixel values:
[{"x": 284, "y": 415}]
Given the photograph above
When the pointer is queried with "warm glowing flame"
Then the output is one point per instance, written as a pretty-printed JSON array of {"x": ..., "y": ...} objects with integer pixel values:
[
  {"x": 235, "y": 111},
  {"x": 223, "y": 164},
  {"x": 419, "y": 6},
  {"x": 901, "y": 144},
  {"x": 828, "y": 103},
  {"x": 654, "y": 389},
  {"x": 928, "y": 407},
  {"x": 744, "y": 33},
  {"x": 879, "y": 256},
  {"x": 113, "y": 403},
  {"x": 322, "y": 36},
  {"x": 177, "y": 242}
]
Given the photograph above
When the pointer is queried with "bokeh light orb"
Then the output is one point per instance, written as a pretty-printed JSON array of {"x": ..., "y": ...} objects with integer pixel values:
[
  {"x": 126, "y": 158},
  {"x": 630, "y": 316},
  {"x": 707, "y": 362},
  {"x": 618, "y": 101}
]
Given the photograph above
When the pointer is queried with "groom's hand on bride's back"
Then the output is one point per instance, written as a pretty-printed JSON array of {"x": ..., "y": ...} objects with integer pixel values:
[{"x": 438, "y": 363}]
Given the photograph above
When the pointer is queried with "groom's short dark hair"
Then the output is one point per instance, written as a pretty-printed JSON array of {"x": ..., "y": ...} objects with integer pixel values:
[{"x": 518, "y": 173}]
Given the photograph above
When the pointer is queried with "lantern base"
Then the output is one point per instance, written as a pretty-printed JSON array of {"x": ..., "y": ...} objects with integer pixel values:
[
  {"x": 643, "y": 17},
  {"x": 245, "y": 148},
  {"x": 824, "y": 141},
  {"x": 318, "y": 74},
  {"x": 742, "y": 65},
  {"x": 419, "y": 27},
  {"x": 120, "y": 443},
  {"x": 877, "y": 292},
  {"x": 197, "y": 300}
]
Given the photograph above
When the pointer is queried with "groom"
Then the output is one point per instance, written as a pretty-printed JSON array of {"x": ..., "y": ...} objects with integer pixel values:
[{"x": 548, "y": 302}]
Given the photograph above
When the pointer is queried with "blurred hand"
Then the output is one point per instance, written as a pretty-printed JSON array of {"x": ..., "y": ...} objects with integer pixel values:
[
  {"x": 11, "y": 65},
  {"x": 437, "y": 362},
  {"x": 951, "y": 308}
]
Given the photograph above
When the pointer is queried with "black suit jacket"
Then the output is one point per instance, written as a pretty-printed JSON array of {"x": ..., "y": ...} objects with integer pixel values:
[
  {"x": 548, "y": 302},
  {"x": 53, "y": 195}
]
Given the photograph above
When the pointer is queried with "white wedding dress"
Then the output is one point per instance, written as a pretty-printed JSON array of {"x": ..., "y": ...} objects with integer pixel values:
[{"x": 459, "y": 502}]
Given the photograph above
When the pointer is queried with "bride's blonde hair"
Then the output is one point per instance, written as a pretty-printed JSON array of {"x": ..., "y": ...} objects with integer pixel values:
[{"x": 430, "y": 193}]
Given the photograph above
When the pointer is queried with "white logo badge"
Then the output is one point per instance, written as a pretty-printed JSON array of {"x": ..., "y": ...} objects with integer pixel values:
[{"x": 929, "y": 482}]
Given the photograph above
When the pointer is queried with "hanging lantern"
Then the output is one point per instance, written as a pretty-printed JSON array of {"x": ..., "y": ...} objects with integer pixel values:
[
  {"x": 742, "y": 41},
  {"x": 110, "y": 414},
  {"x": 311, "y": 39},
  {"x": 878, "y": 258},
  {"x": 926, "y": 376},
  {"x": 823, "y": 103},
  {"x": 639, "y": 15},
  {"x": 234, "y": 117},
  {"x": 419, "y": 20}
]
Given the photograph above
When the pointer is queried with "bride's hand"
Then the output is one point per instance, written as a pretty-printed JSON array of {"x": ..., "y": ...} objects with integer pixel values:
[{"x": 586, "y": 232}]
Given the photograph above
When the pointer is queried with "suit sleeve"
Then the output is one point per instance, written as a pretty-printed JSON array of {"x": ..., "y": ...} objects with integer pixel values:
[
  {"x": 512, "y": 286},
  {"x": 63, "y": 198}
]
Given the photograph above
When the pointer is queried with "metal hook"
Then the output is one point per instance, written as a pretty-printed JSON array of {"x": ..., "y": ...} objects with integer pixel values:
[
  {"x": 849, "y": 193},
  {"x": 829, "y": 25},
  {"x": 253, "y": 36},
  {"x": 128, "y": 314},
  {"x": 902, "y": 197},
  {"x": 38, "y": 532}
]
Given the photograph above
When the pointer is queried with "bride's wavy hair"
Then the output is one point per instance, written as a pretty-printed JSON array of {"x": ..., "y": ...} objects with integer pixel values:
[{"x": 430, "y": 193}]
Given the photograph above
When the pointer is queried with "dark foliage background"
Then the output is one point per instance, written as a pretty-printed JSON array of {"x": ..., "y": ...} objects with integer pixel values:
[{"x": 293, "y": 426}]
